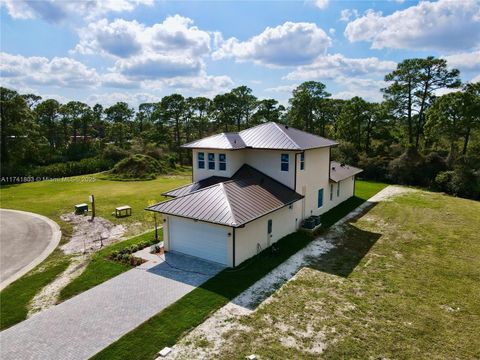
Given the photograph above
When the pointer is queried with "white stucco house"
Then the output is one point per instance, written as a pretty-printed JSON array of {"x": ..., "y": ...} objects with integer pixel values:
[{"x": 251, "y": 188}]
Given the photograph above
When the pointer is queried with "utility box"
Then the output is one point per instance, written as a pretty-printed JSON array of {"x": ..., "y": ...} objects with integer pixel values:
[{"x": 81, "y": 209}]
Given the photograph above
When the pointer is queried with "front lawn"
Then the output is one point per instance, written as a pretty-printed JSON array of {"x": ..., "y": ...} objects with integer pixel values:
[
  {"x": 54, "y": 198},
  {"x": 165, "y": 328}
]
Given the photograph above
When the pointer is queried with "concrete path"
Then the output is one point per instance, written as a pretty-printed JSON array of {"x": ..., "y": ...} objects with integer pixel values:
[
  {"x": 82, "y": 326},
  {"x": 26, "y": 239}
]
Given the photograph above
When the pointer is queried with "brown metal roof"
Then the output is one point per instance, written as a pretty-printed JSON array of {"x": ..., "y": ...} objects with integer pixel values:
[
  {"x": 339, "y": 172},
  {"x": 249, "y": 195},
  {"x": 265, "y": 136},
  {"x": 187, "y": 189}
]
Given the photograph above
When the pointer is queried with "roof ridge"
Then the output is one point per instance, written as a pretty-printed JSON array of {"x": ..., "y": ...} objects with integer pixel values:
[
  {"x": 228, "y": 203},
  {"x": 288, "y": 136}
]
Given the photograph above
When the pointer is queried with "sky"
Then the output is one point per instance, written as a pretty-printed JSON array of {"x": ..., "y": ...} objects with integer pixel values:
[{"x": 140, "y": 50}]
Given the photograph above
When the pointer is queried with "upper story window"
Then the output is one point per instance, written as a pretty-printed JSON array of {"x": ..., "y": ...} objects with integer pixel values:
[
  {"x": 302, "y": 161},
  {"x": 201, "y": 160},
  {"x": 284, "y": 162},
  {"x": 211, "y": 161},
  {"x": 320, "y": 198},
  {"x": 338, "y": 189},
  {"x": 222, "y": 162}
]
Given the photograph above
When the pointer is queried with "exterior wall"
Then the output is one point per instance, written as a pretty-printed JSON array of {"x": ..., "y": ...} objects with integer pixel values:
[
  {"x": 228, "y": 230},
  {"x": 269, "y": 162},
  {"x": 346, "y": 191},
  {"x": 284, "y": 222},
  {"x": 315, "y": 176},
  {"x": 235, "y": 159}
]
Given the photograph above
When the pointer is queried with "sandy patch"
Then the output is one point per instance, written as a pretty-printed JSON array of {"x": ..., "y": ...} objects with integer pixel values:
[
  {"x": 88, "y": 236},
  {"x": 215, "y": 330},
  {"x": 49, "y": 294}
]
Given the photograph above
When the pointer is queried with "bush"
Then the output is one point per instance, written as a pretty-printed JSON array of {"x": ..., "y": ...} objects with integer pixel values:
[
  {"x": 374, "y": 168},
  {"x": 137, "y": 166},
  {"x": 462, "y": 181},
  {"x": 114, "y": 153},
  {"x": 407, "y": 169},
  {"x": 72, "y": 168}
]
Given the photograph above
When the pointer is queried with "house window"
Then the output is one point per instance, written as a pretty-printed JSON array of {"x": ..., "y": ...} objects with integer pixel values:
[
  {"x": 211, "y": 161},
  {"x": 222, "y": 162},
  {"x": 338, "y": 189},
  {"x": 269, "y": 227},
  {"x": 284, "y": 162},
  {"x": 302, "y": 161},
  {"x": 320, "y": 198},
  {"x": 331, "y": 192},
  {"x": 201, "y": 160}
]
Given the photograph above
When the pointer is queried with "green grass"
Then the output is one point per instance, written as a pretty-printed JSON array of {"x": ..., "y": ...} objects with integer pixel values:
[
  {"x": 165, "y": 328},
  {"x": 14, "y": 299},
  {"x": 402, "y": 283},
  {"x": 101, "y": 269},
  {"x": 54, "y": 198}
]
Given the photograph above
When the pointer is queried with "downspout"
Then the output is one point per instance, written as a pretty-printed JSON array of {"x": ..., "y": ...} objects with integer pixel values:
[
  {"x": 354, "y": 183},
  {"x": 233, "y": 250},
  {"x": 329, "y": 161}
]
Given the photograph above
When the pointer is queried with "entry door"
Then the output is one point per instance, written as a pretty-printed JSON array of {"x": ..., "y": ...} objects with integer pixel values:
[
  {"x": 269, "y": 231},
  {"x": 196, "y": 238}
]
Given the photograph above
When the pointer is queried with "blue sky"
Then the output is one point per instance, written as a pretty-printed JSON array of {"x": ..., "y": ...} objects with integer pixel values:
[{"x": 140, "y": 50}]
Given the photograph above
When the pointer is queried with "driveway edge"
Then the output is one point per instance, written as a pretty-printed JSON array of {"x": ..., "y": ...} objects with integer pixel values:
[{"x": 54, "y": 241}]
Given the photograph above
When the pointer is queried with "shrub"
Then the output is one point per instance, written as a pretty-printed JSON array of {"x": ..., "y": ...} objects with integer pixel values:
[
  {"x": 407, "y": 169},
  {"x": 72, "y": 168},
  {"x": 374, "y": 168},
  {"x": 114, "y": 153},
  {"x": 137, "y": 166}
]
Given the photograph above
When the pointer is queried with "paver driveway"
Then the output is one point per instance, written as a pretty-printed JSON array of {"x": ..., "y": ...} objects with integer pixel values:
[{"x": 82, "y": 326}]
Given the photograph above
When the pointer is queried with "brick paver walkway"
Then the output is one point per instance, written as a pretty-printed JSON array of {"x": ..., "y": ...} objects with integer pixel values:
[{"x": 82, "y": 326}]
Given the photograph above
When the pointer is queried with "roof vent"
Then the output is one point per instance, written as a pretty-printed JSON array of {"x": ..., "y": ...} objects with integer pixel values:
[
  {"x": 333, "y": 167},
  {"x": 342, "y": 164},
  {"x": 234, "y": 141},
  {"x": 286, "y": 127}
]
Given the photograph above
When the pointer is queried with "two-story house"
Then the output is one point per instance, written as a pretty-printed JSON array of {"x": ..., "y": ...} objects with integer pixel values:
[{"x": 250, "y": 189}]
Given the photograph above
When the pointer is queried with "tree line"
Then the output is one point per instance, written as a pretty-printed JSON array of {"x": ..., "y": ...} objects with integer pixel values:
[{"x": 414, "y": 136}]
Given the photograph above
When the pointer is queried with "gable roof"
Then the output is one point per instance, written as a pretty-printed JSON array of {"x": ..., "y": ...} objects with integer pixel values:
[
  {"x": 265, "y": 136},
  {"x": 248, "y": 195},
  {"x": 339, "y": 172}
]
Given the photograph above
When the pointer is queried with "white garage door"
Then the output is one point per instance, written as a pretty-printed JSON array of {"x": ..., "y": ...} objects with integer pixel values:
[{"x": 198, "y": 239}]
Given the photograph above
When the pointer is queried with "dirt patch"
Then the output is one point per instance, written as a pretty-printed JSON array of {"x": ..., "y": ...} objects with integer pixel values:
[
  {"x": 88, "y": 235},
  {"x": 49, "y": 294}
]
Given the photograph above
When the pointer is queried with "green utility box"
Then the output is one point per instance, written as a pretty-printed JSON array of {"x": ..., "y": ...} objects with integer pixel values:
[{"x": 81, "y": 209}]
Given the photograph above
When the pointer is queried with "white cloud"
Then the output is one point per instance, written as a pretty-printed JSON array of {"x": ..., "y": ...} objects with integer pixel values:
[
  {"x": 335, "y": 65},
  {"x": 174, "y": 48},
  {"x": 56, "y": 11},
  {"x": 367, "y": 89},
  {"x": 475, "y": 79},
  {"x": 321, "y": 4},
  {"x": 347, "y": 14},
  {"x": 282, "y": 88},
  {"x": 467, "y": 61},
  {"x": 123, "y": 39},
  {"x": 17, "y": 70},
  {"x": 132, "y": 99},
  {"x": 444, "y": 25},
  {"x": 285, "y": 45}
]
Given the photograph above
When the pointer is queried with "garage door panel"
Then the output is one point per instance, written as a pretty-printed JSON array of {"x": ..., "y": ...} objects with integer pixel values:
[{"x": 199, "y": 239}]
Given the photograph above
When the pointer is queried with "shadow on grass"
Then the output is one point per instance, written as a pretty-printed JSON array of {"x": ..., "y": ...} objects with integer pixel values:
[{"x": 350, "y": 248}]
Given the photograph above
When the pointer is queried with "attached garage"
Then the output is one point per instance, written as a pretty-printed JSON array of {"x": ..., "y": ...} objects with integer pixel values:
[{"x": 200, "y": 239}]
